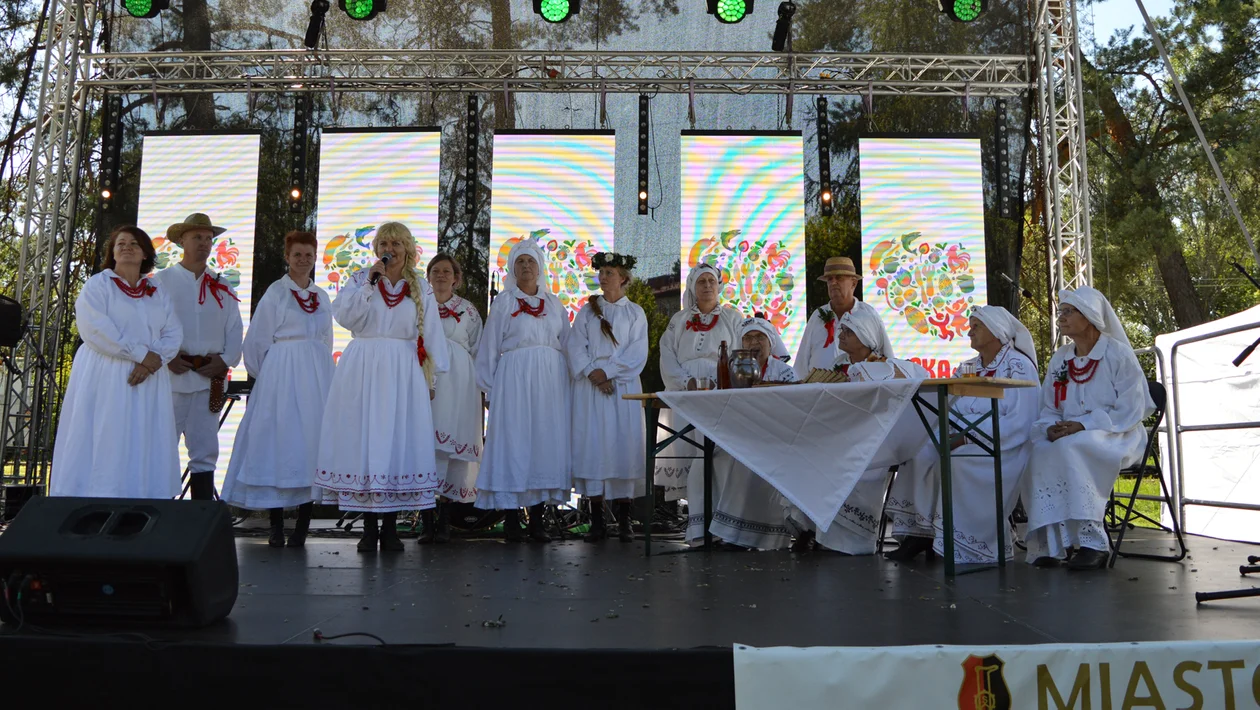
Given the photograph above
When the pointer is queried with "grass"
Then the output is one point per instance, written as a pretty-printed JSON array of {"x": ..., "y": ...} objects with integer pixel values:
[{"x": 1150, "y": 486}]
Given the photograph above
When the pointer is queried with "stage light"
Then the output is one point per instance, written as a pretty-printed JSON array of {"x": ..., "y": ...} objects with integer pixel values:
[
  {"x": 730, "y": 11},
  {"x": 557, "y": 10},
  {"x": 111, "y": 149},
  {"x": 363, "y": 10},
  {"x": 297, "y": 155},
  {"x": 106, "y": 194},
  {"x": 472, "y": 140},
  {"x": 783, "y": 27},
  {"x": 824, "y": 156},
  {"x": 145, "y": 9},
  {"x": 1002, "y": 149},
  {"x": 963, "y": 10},
  {"x": 295, "y": 193},
  {"x": 644, "y": 115},
  {"x": 319, "y": 8}
]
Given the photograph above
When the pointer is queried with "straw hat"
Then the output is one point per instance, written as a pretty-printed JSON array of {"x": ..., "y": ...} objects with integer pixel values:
[
  {"x": 196, "y": 220},
  {"x": 839, "y": 266}
]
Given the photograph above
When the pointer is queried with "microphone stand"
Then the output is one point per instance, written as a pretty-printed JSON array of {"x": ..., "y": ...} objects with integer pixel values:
[{"x": 1246, "y": 353}]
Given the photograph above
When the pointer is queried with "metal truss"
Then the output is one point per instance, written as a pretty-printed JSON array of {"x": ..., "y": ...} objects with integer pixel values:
[
  {"x": 563, "y": 72},
  {"x": 1061, "y": 133}
]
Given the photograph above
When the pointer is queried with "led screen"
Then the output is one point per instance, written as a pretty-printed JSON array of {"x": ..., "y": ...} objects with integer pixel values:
[
  {"x": 923, "y": 244},
  {"x": 743, "y": 211},
  {"x": 556, "y": 188}
]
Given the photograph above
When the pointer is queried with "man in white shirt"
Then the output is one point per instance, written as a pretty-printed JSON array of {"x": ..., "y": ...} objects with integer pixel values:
[
  {"x": 819, "y": 348},
  {"x": 209, "y": 312}
]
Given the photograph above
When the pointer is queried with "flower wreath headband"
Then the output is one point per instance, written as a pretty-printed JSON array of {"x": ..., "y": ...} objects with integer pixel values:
[{"x": 613, "y": 259}]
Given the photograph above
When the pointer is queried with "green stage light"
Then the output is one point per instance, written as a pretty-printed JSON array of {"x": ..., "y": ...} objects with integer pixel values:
[
  {"x": 557, "y": 10},
  {"x": 730, "y": 11},
  {"x": 145, "y": 9},
  {"x": 963, "y": 10},
  {"x": 363, "y": 10}
]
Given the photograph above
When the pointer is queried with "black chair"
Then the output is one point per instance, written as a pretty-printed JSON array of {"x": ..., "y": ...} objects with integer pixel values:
[{"x": 1139, "y": 471}]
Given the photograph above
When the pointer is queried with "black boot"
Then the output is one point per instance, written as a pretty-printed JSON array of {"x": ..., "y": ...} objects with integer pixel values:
[
  {"x": 599, "y": 529},
  {"x": 624, "y": 532},
  {"x": 804, "y": 542},
  {"x": 512, "y": 526},
  {"x": 201, "y": 485},
  {"x": 389, "y": 533},
  {"x": 277, "y": 528},
  {"x": 426, "y": 522},
  {"x": 371, "y": 535},
  {"x": 442, "y": 532},
  {"x": 298, "y": 538},
  {"x": 537, "y": 526}
]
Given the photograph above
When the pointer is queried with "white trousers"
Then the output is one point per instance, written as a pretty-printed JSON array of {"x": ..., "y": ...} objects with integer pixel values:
[{"x": 200, "y": 428}]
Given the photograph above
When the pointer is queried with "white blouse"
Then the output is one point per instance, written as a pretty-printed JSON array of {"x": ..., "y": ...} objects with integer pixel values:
[
  {"x": 461, "y": 324},
  {"x": 778, "y": 371},
  {"x": 119, "y": 326},
  {"x": 589, "y": 349},
  {"x": 815, "y": 352},
  {"x": 360, "y": 308},
  {"x": 1115, "y": 399},
  {"x": 1018, "y": 408},
  {"x": 509, "y": 327},
  {"x": 209, "y": 312},
  {"x": 279, "y": 317},
  {"x": 681, "y": 346},
  {"x": 889, "y": 369}
]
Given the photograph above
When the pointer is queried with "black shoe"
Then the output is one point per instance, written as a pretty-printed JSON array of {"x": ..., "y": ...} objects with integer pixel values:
[
  {"x": 298, "y": 538},
  {"x": 512, "y": 526},
  {"x": 442, "y": 531},
  {"x": 537, "y": 529},
  {"x": 599, "y": 527},
  {"x": 1045, "y": 562},
  {"x": 390, "y": 541},
  {"x": 277, "y": 528},
  {"x": 625, "y": 532},
  {"x": 371, "y": 535},
  {"x": 426, "y": 533},
  {"x": 1087, "y": 559},
  {"x": 804, "y": 542},
  {"x": 910, "y": 548}
]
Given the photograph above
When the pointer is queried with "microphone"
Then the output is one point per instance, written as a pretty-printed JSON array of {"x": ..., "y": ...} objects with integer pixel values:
[{"x": 385, "y": 259}]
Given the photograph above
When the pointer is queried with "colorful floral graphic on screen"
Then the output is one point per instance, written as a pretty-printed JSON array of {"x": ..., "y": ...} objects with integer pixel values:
[
  {"x": 756, "y": 276},
  {"x": 929, "y": 283},
  {"x": 224, "y": 257},
  {"x": 346, "y": 253},
  {"x": 568, "y": 267}
]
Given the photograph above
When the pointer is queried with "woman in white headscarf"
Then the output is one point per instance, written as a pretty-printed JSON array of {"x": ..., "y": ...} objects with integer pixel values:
[
  {"x": 689, "y": 356},
  {"x": 747, "y": 511},
  {"x": 1005, "y": 350},
  {"x": 521, "y": 368},
  {"x": 1093, "y": 402},
  {"x": 854, "y": 531}
]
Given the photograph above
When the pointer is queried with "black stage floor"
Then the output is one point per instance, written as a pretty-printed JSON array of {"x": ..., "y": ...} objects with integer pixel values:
[{"x": 660, "y": 627}]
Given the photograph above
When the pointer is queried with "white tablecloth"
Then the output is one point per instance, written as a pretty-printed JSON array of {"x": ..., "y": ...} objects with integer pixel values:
[{"x": 811, "y": 442}]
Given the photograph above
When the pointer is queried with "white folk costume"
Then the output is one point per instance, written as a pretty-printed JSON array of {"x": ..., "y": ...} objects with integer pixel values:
[
  {"x": 376, "y": 453},
  {"x": 608, "y": 455},
  {"x": 1068, "y": 481},
  {"x": 115, "y": 440},
  {"x": 457, "y": 411},
  {"x": 522, "y": 369},
  {"x": 856, "y": 527},
  {"x": 209, "y": 313},
  {"x": 915, "y": 501},
  {"x": 747, "y": 510},
  {"x": 689, "y": 348},
  {"x": 820, "y": 347},
  {"x": 288, "y": 352}
]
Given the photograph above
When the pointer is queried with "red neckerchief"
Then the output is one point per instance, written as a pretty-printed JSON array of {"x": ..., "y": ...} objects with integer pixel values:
[
  {"x": 830, "y": 324},
  {"x": 140, "y": 290},
  {"x": 216, "y": 288},
  {"x": 523, "y": 307},
  {"x": 445, "y": 312}
]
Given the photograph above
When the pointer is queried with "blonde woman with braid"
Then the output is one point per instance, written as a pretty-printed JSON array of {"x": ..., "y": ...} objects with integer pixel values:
[
  {"x": 376, "y": 449},
  {"x": 607, "y": 349}
]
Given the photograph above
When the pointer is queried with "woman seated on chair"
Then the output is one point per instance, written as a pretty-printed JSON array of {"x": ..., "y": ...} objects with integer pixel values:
[
  {"x": 856, "y": 528},
  {"x": 914, "y": 504},
  {"x": 1093, "y": 401},
  {"x": 747, "y": 511}
]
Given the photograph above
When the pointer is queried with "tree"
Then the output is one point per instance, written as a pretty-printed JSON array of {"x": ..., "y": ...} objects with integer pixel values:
[{"x": 639, "y": 292}]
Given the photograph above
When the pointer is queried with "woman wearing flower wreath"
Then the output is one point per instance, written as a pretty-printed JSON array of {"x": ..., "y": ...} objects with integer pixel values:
[
  {"x": 457, "y": 409},
  {"x": 288, "y": 352},
  {"x": 116, "y": 436},
  {"x": 689, "y": 355},
  {"x": 376, "y": 450},
  {"x": 862, "y": 336},
  {"x": 521, "y": 368},
  {"x": 607, "y": 350},
  {"x": 1093, "y": 402}
]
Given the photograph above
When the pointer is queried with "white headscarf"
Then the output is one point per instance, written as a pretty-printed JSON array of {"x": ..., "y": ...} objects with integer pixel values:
[
  {"x": 761, "y": 325},
  {"x": 689, "y": 297},
  {"x": 527, "y": 246},
  {"x": 1097, "y": 310},
  {"x": 1007, "y": 329},
  {"x": 869, "y": 328}
]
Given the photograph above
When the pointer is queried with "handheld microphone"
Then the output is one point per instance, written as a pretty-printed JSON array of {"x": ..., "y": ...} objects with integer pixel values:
[{"x": 385, "y": 259}]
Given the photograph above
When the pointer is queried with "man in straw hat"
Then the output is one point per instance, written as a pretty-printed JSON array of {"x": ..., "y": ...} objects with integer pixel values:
[
  {"x": 209, "y": 312},
  {"x": 819, "y": 348}
]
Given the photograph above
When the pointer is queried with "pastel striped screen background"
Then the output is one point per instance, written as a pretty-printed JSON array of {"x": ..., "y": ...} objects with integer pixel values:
[
  {"x": 216, "y": 174},
  {"x": 923, "y": 243},
  {"x": 743, "y": 210},
  {"x": 556, "y": 188}
]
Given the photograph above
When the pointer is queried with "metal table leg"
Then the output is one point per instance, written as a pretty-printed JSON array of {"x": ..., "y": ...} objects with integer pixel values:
[
  {"x": 947, "y": 481},
  {"x": 708, "y": 493},
  {"x": 997, "y": 483},
  {"x": 651, "y": 416}
]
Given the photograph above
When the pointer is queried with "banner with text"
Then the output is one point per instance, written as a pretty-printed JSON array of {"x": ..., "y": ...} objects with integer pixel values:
[{"x": 923, "y": 265}]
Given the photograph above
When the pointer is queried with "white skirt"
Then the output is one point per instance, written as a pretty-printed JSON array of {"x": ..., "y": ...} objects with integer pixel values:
[
  {"x": 375, "y": 446},
  {"x": 457, "y": 422},
  {"x": 115, "y": 440},
  {"x": 526, "y": 460},
  {"x": 459, "y": 478},
  {"x": 273, "y": 459},
  {"x": 1072, "y": 478},
  {"x": 855, "y": 530},
  {"x": 747, "y": 511},
  {"x": 608, "y": 441}
]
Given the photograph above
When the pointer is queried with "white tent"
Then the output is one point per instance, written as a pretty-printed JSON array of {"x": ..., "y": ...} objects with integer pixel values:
[{"x": 1223, "y": 465}]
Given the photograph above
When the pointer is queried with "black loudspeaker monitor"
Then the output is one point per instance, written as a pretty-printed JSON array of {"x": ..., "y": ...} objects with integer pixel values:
[{"x": 118, "y": 561}]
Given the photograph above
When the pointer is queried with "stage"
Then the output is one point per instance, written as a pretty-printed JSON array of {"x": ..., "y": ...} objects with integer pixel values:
[{"x": 478, "y": 621}]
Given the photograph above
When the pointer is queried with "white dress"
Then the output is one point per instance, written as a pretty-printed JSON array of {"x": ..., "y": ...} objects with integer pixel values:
[
  {"x": 915, "y": 501},
  {"x": 521, "y": 368},
  {"x": 1067, "y": 482},
  {"x": 115, "y": 440},
  {"x": 748, "y": 511},
  {"x": 457, "y": 412},
  {"x": 820, "y": 345},
  {"x": 689, "y": 351},
  {"x": 855, "y": 528},
  {"x": 375, "y": 442},
  {"x": 608, "y": 455},
  {"x": 288, "y": 352}
]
